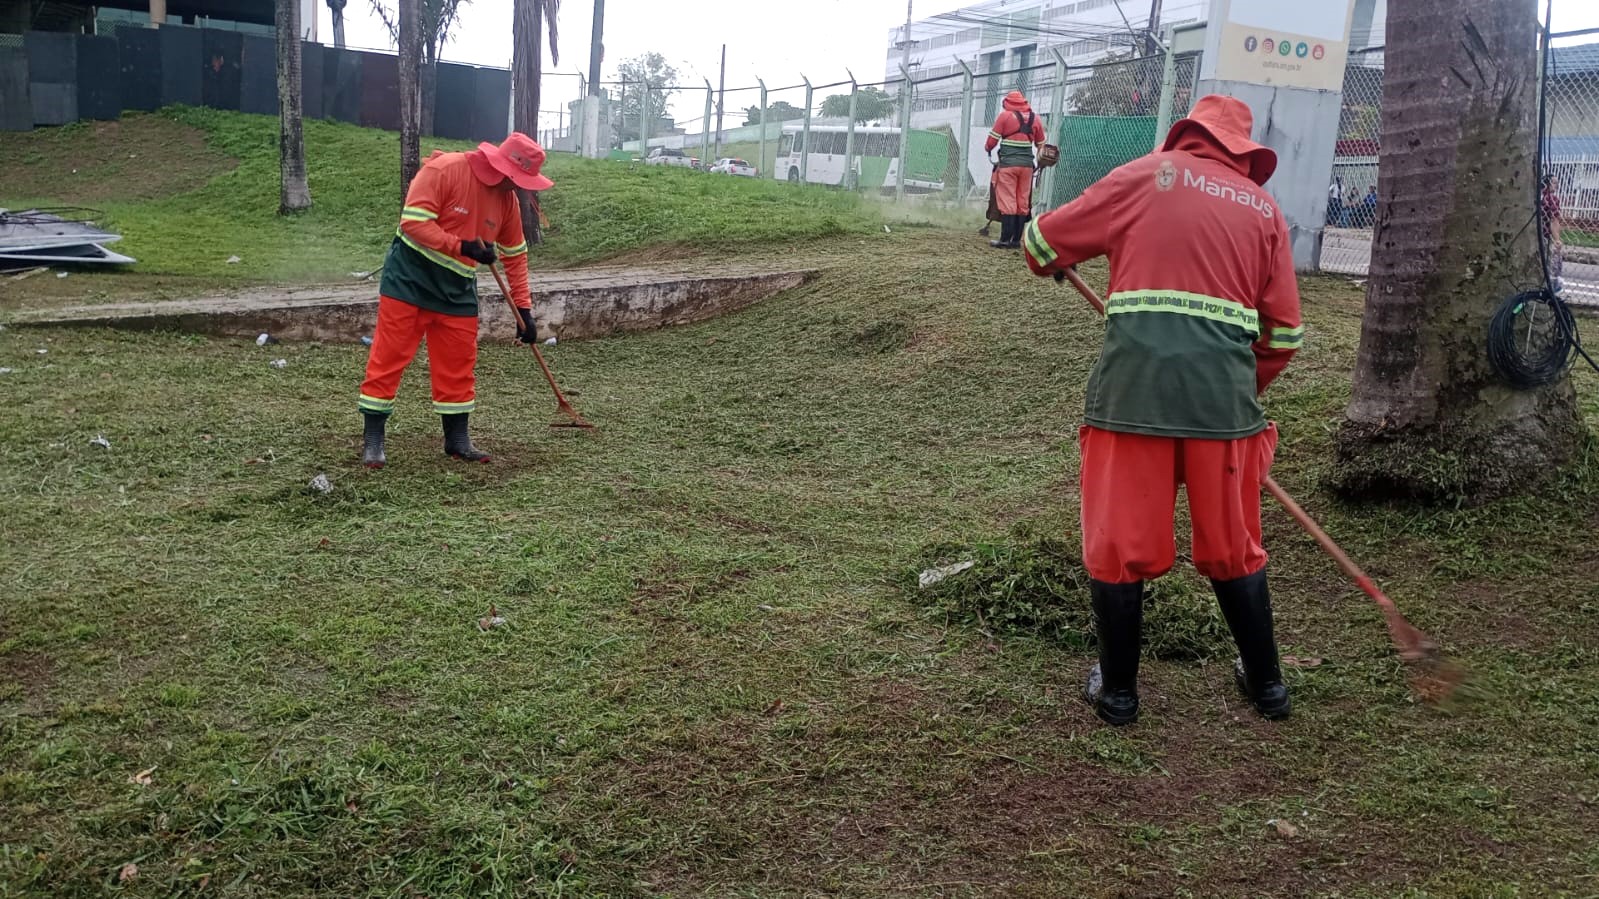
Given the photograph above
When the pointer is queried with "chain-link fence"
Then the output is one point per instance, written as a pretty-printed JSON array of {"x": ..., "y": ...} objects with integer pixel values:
[
  {"x": 1570, "y": 206},
  {"x": 1352, "y": 193},
  {"x": 921, "y": 139}
]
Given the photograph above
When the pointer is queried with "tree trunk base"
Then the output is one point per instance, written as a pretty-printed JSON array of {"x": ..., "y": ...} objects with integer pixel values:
[{"x": 1459, "y": 465}]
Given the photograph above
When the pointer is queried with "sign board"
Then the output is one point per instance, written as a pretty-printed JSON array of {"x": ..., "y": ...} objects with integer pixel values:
[{"x": 1279, "y": 44}]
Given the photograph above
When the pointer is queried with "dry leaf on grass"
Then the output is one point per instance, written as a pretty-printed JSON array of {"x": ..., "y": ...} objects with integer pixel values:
[
  {"x": 1297, "y": 662},
  {"x": 143, "y": 778},
  {"x": 129, "y": 872},
  {"x": 1285, "y": 829}
]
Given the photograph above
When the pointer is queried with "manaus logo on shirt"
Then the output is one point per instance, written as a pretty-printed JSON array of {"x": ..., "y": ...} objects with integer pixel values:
[{"x": 1166, "y": 176}]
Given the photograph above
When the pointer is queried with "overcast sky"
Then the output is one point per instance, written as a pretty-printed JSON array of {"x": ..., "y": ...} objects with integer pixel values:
[{"x": 818, "y": 38}]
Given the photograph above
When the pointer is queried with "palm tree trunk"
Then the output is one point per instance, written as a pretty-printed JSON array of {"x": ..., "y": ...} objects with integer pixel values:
[
  {"x": 410, "y": 15},
  {"x": 294, "y": 194},
  {"x": 337, "y": 8},
  {"x": 1429, "y": 418},
  {"x": 527, "y": 64}
]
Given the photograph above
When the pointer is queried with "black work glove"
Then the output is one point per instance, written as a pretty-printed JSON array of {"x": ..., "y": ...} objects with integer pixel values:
[
  {"x": 478, "y": 251},
  {"x": 525, "y": 330}
]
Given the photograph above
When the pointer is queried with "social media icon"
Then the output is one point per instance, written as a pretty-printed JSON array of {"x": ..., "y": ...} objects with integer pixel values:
[
  {"x": 1303, "y": 50},
  {"x": 1271, "y": 45},
  {"x": 1285, "y": 48},
  {"x": 1250, "y": 43},
  {"x": 1319, "y": 51}
]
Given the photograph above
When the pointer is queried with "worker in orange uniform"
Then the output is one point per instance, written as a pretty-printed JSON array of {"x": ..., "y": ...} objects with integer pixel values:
[
  {"x": 1016, "y": 132},
  {"x": 460, "y": 212},
  {"x": 1202, "y": 315}
]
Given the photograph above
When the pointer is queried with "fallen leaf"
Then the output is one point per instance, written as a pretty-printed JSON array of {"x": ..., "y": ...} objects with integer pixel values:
[
  {"x": 129, "y": 872},
  {"x": 143, "y": 778},
  {"x": 1285, "y": 829},
  {"x": 325, "y": 543},
  {"x": 774, "y": 708},
  {"x": 204, "y": 881},
  {"x": 350, "y": 806}
]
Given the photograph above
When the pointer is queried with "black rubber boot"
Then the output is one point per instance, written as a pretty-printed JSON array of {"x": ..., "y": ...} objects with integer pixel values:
[
  {"x": 1246, "y": 604},
  {"x": 1004, "y": 234},
  {"x": 1112, "y": 687},
  {"x": 457, "y": 445},
  {"x": 372, "y": 440}
]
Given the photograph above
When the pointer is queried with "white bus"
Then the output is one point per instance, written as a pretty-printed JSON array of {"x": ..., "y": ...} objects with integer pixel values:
[{"x": 876, "y": 159}]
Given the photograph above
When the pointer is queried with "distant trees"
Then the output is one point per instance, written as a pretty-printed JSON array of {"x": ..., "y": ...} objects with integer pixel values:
[
  {"x": 645, "y": 69},
  {"x": 871, "y": 104}
]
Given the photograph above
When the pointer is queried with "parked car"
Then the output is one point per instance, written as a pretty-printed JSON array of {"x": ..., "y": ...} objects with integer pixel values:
[
  {"x": 730, "y": 166},
  {"x": 671, "y": 157}
]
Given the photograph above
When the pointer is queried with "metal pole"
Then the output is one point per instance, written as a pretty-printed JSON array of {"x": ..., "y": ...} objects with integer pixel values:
[
  {"x": 1057, "y": 108},
  {"x": 721, "y": 101},
  {"x": 805, "y": 158},
  {"x": 904, "y": 132},
  {"x": 705, "y": 138},
  {"x": 965, "y": 141},
  {"x": 762, "y": 124},
  {"x": 1168, "y": 87},
  {"x": 621, "y": 117},
  {"x": 849, "y": 136}
]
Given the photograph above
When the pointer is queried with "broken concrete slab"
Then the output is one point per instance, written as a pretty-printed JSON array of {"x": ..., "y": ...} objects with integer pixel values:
[{"x": 571, "y": 305}]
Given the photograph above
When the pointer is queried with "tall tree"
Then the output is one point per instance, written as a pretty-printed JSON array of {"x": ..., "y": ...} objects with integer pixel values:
[
  {"x": 410, "y": 91},
  {"x": 337, "y": 8},
  {"x": 660, "y": 75},
  {"x": 1123, "y": 84},
  {"x": 1455, "y": 233},
  {"x": 527, "y": 69},
  {"x": 871, "y": 104},
  {"x": 294, "y": 193},
  {"x": 439, "y": 18}
]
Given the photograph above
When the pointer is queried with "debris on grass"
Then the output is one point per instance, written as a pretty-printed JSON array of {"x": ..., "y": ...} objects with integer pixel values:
[
  {"x": 42, "y": 351},
  {"x": 279, "y": 363},
  {"x": 1032, "y": 583},
  {"x": 60, "y": 275},
  {"x": 263, "y": 339},
  {"x": 366, "y": 340},
  {"x": 1284, "y": 829},
  {"x": 127, "y": 873},
  {"x": 234, "y": 260},
  {"x": 1297, "y": 662},
  {"x": 933, "y": 575},
  {"x": 6, "y": 371},
  {"x": 144, "y": 778},
  {"x": 321, "y": 484},
  {"x": 549, "y": 341},
  {"x": 492, "y": 620},
  {"x": 100, "y": 441}
]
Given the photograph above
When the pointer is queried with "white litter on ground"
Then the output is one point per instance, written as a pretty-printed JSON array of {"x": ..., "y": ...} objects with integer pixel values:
[
  {"x": 60, "y": 275},
  {"x": 6, "y": 371},
  {"x": 279, "y": 363},
  {"x": 234, "y": 260},
  {"x": 262, "y": 340},
  {"x": 321, "y": 484},
  {"x": 366, "y": 340},
  {"x": 549, "y": 341},
  {"x": 100, "y": 441},
  {"x": 933, "y": 575}
]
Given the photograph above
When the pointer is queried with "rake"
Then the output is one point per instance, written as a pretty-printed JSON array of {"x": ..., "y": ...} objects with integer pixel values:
[
  {"x": 574, "y": 418},
  {"x": 1433, "y": 678}
]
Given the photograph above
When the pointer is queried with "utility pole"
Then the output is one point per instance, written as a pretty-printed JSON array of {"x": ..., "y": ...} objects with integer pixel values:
[
  {"x": 596, "y": 48},
  {"x": 1151, "y": 41},
  {"x": 904, "y": 105},
  {"x": 721, "y": 101}
]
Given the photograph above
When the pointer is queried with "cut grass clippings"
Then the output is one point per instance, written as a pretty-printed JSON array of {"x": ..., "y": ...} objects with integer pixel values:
[{"x": 713, "y": 678}]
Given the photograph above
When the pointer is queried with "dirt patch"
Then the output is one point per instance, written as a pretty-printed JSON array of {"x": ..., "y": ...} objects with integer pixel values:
[
  {"x": 25, "y": 677},
  {"x": 93, "y": 162}
]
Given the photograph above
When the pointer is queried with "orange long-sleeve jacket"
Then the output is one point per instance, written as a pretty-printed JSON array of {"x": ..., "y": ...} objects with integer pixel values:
[{"x": 451, "y": 200}]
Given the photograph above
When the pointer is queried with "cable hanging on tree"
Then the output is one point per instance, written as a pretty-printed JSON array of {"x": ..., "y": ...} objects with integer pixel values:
[{"x": 1527, "y": 346}]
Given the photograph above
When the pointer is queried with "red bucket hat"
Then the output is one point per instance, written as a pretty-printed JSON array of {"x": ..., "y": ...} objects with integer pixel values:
[
  {"x": 1228, "y": 121},
  {"x": 519, "y": 158}
]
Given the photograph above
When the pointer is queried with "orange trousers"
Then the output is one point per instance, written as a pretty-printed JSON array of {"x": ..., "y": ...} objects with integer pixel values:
[
  {"x": 452, "y": 355},
  {"x": 1013, "y": 189},
  {"x": 1130, "y": 497}
]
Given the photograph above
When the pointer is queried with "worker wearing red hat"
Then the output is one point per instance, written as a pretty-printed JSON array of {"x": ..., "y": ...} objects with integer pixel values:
[
  {"x": 1202, "y": 315},
  {"x": 460, "y": 212},
  {"x": 1016, "y": 133}
]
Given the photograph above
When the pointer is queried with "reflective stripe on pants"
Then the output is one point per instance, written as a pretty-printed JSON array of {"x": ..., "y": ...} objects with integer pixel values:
[{"x": 452, "y": 356}]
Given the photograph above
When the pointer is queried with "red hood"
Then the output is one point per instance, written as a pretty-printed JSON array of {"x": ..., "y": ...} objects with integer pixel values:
[
  {"x": 1016, "y": 102},
  {"x": 1198, "y": 142}
]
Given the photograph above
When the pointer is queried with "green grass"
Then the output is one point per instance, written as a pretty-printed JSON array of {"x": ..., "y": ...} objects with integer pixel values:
[
  {"x": 1579, "y": 237},
  {"x": 189, "y": 188},
  {"x": 714, "y": 679}
]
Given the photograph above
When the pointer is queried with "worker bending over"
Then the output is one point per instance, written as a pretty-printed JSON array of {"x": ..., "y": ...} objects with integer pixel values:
[{"x": 461, "y": 212}]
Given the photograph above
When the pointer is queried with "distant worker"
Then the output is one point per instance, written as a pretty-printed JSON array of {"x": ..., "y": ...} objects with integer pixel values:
[
  {"x": 460, "y": 212},
  {"x": 1016, "y": 133},
  {"x": 1202, "y": 315}
]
